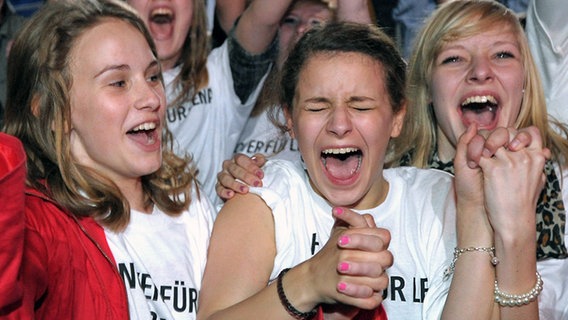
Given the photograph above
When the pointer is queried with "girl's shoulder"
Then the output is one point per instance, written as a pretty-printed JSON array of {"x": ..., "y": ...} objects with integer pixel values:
[{"x": 418, "y": 176}]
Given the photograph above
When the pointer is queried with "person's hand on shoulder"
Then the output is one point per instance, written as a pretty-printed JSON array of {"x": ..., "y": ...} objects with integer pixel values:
[{"x": 238, "y": 174}]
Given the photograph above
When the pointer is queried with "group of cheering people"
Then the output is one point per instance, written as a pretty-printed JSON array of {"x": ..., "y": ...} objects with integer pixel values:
[{"x": 422, "y": 190}]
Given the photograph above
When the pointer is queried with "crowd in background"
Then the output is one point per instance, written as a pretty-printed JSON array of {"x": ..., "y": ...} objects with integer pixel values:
[
  {"x": 401, "y": 19},
  {"x": 290, "y": 159}
]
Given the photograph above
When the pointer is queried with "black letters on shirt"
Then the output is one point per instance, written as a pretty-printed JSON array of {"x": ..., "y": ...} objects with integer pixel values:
[
  {"x": 181, "y": 112},
  {"x": 180, "y": 297},
  {"x": 315, "y": 243},
  {"x": 398, "y": 290}
]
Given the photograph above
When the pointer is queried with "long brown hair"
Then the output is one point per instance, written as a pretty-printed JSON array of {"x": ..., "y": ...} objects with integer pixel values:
[{"x": 38, "y": 113}]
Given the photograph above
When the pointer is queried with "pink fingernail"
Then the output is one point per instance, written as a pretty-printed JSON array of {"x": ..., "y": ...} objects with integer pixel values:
[
  {"x": 339, "y": 211},
  {"x": 242, "y": 188},
  {"x": 341, "y": 286},
  {"x": 256, "y": 183},
  {"x": 343, "y": 240},
  {"x": 344, "y": 266},
  {"x": 258, "y": 173}
]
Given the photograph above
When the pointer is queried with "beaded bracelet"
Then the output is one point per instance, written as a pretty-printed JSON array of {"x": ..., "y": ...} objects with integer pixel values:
[
  {"x": 289, "y": 307},
  {"x": 515, "y": 300},
  {"x": 459, "y": 251}
]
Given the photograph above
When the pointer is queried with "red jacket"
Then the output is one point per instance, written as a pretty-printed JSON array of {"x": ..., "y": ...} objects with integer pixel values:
[
  {"x": 67, "y": 269},
  {"x": 12, "y": 204}
]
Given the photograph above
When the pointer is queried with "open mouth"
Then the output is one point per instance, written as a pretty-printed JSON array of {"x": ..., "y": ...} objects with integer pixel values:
[
  {"x": 161, "y": 15},
  {"x": 144, "y": 133},
  {"x": 342, "y": 163},
  {"x": 479, "y": 109},
  {"x": 161, "y": 23}
]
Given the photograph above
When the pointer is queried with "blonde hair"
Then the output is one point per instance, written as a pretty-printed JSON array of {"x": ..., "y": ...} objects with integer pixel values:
[
  {"x": 38, "y": 112},
  {"x": 456, "y": 20}
]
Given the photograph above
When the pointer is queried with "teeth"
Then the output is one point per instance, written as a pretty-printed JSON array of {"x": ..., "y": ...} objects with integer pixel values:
[
  {"x": 479, "y": 99},
  {"x": 145, "y": 126},
  {"x": 161, "y": 12},
  {"x": 343, "y": 151},
  {"x": 339, "y": 150}
]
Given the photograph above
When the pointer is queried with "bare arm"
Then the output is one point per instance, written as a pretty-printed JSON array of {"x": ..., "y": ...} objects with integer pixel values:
[
  {"x": 354, "y": 11},
  {"x": 239, "y": 262},
  {"x": 513, "y": 180},
  {"x": 259, "y": 24},
  {"x": 241, "y": 255},
  {"x": 260, "y": 21},
  {"x": 471, "y": 290},
  {"x": 488, "y": 179},
  {"x": 228, "y": 11}
]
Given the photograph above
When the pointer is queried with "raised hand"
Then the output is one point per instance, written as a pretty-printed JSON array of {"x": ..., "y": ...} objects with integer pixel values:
[
  {"x": 358, "y": 249},
  {"x": 513, "y": 180}
]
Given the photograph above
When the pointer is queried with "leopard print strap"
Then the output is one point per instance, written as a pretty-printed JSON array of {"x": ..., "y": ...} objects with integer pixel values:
[
  {"x": 550, "y": 218},
  {"x": 550, "y": 212}
]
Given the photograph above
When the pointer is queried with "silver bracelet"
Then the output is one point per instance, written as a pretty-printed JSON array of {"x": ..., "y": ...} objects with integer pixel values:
[
  {"x": 514, "y": 300},
  {"x": 459, "y": 251}
]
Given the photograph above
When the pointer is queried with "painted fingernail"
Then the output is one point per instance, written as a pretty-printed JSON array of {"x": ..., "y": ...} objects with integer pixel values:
[
  {"x": 339, "y": 211},
  {"x": 258, "y": 173},
  {"x": 229, "y": 194},
  {"x": 256, "y": 183},
  {"x": 344, "y": 266},
  {"x": 341, "y": 286},
  {"x": 343, "y": 240},
  {"x": 242, "y": 188}
]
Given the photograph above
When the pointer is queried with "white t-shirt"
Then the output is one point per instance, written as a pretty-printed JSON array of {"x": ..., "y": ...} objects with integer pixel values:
[
  {"x": 162, "y": 258},
  {"x": 553, "y": 300},
  {"x": 208, "y": 127},
  {"x": 419, "y": 211},
  {"x": 260, "y": 135},
  {"x": 210, "y": 11},
  {"x": 547, "y": 32}
]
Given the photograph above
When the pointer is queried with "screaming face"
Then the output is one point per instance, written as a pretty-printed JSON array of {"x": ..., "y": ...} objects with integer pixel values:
[
  {"x": 478, "y": 79},
  {"x": 343, "y": 120}
]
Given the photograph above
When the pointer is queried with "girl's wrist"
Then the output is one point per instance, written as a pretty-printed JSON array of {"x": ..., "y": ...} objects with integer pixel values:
[
  {"x": 301, "y": 314},
  {"x": 298, "y": 287}
]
